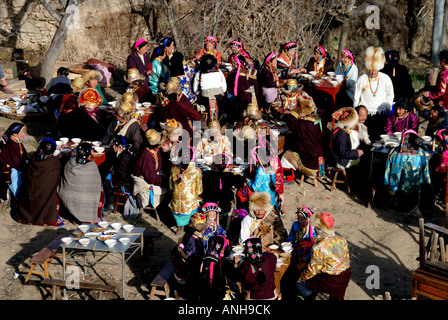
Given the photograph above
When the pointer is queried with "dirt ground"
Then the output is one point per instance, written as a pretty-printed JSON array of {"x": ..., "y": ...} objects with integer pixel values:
[{"x": 377, "y": 237}]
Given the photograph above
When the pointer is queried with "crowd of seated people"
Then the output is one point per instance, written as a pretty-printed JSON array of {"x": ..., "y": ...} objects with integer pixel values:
[{"x": 156, "y": 159}]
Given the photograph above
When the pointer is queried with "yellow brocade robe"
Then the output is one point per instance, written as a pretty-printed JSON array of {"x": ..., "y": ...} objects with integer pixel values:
[{"x": 187, "y": 190}]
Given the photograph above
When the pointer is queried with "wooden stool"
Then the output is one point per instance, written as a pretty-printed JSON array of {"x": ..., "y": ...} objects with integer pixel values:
[
  {"x": 119, "y": 195},
  {"x": 161, "y": 280},
  {"x": 302, "y": 178},
  {"x": 335, "y": 172},
  {"x": 429, "y": 284},
  {"x": 44, "y": 258}
]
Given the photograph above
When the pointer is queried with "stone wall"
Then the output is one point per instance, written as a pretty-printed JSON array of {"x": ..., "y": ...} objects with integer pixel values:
[{"x": 101, "y": 29}]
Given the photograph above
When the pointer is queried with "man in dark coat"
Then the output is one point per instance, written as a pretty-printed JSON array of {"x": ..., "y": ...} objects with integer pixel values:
[{"x": 399, "y": 75}]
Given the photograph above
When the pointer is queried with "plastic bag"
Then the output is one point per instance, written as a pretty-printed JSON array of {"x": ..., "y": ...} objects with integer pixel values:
[{"x": 131, "y": 209}]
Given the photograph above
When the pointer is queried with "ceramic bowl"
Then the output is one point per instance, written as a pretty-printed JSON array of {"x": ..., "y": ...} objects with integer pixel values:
[
  {"x": 287, "y": 249},
  {"x": 128, "y": 227},
  {"x": 64, "y": 140},
  {"x": 313, "y": 73},
  {"x": 67, "y": 240},
  {"x": 330, "y": 73},
  {"x": 110, "y": 242},
  {"x": 117, "y": 226},
  {"x": 315, "y": 82},
  {"x": 58, "y": 143},
  {"x": 426, "y": 138},
  {"x": 124, "y": 240},
  {"x": 103, "y": 224},
  {"x": 96, "y": 143},
  {"x": 83, "y": 227},
  {"x": 76, "y": 140},
  {"x": 84, "y": 241},
  {"x": 273, "y": 247},
  {"x": 99, "y": 149},
  {"x": 377, "y": 145}
]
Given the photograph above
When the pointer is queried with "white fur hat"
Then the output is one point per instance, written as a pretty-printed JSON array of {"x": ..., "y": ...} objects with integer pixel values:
[
  {"x": 260, "y": 200},
  {"x": 375, "y": 58}
]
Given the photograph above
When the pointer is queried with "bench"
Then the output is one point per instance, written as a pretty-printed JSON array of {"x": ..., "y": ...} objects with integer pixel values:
[
  {"x": 57, "y": 284},
  {"x": 44, "y": 258},
  {"x": 431, "y": 278},
  {"x": 161, "y": 281}
]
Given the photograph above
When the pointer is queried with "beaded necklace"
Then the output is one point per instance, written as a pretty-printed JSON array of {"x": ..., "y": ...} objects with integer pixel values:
[{"x": 377, "y": 85}]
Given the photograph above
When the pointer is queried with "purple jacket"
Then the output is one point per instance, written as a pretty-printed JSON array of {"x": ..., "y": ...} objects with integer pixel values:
[{"x": 396, "y": 124}]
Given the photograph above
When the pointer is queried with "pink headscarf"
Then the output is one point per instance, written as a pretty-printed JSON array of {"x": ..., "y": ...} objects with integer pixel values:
[{"x": 139, "y": 42}]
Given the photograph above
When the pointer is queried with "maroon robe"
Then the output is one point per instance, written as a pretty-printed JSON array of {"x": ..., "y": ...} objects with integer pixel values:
[
  {"x": 181, "y": 113},
  {"x": 307, "y": 139},
  {"x": 12, "y": 155},
  {"x": 149, "y": 166}
]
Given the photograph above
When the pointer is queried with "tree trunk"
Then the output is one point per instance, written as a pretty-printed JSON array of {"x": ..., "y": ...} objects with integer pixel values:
[
  {"x": 445, "y": 24},
  {"x": 172, "y": 20},
  {"x": 57, "y": 43},
  {"x": 344, "y": 28},
  {"x": 437, "y": 31}
]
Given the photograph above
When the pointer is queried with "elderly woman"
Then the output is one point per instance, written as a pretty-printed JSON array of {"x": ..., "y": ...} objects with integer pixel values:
[
  {"x": 210, "y": 47},
  {"x": 12, "y": 159},
  {"x": 328, "y": 269},
  {"x": 402, "y": 118},
  {"x": 211, "y": 211},
  {"x": 139, "y": 59},
  {"x": 262, "y": 221},
  {"x": 37, "y": 200},
  {"x": 80, "y": 190},
  {"x": 349, "y": 69},
  {"x": 286, "y": 62}
]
